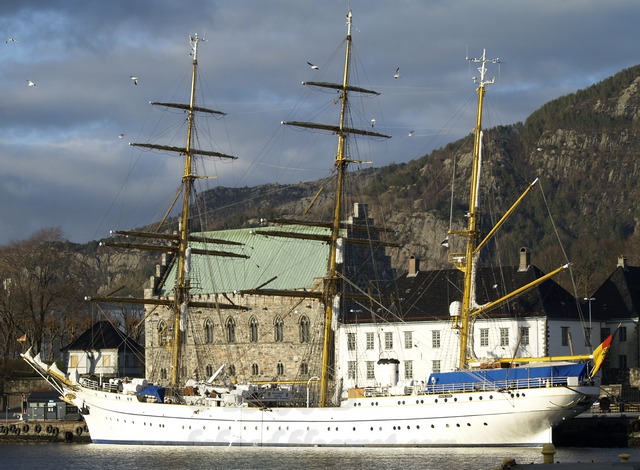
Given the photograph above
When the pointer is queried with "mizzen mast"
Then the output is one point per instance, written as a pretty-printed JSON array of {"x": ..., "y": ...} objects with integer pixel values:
[{"x": 468, "y": 263}]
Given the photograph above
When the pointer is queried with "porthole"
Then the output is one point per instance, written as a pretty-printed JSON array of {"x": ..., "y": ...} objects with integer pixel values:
[
  {"x": 485, "y": 424},
  {"x": 457, "y": 425},
  {"x": 468, "y": 424},
  {"x": 447, "y": 425},
  {"x": 490, "y": 397},
  {"x": 354, "y": 428},
  {"x": 446, "y": 400},
  {"x": 432, "y": 426},
  {"x": 417, "y": 426},
  {"x": 436, "y": 400},
  {"x": 470, "y": 398},
  {"x": 455, "y": 399}
]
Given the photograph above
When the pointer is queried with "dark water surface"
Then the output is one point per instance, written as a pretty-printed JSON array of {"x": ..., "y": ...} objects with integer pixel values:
[{"x": 98, "y": 456}]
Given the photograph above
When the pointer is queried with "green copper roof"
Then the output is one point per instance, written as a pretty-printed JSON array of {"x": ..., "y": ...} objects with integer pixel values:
[{"x": 288, "y": 263}]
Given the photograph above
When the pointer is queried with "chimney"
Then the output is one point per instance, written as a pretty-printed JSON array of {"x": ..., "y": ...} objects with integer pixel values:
[
  {"x": 622, "y": 262},
  {"x": 414, "y": 266},
  {"x": 525, "y": 260}
]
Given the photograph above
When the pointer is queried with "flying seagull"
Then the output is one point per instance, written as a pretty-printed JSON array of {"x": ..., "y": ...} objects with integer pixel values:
[
  {"x": 135, "y": 79},
  {"x": 11, "y": 40},
  {"x": 313, "y": 66},
  {"x": 121, "y": 136},
  {"x": 373, "y": 123},
  {"x": 411, "y": 133},
  {"x": 30, "y": 83},
  {"x": 397, "y": 74}
]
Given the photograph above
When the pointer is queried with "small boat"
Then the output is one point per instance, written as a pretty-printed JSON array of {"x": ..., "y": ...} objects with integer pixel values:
[{"x": 514, "y": 405}]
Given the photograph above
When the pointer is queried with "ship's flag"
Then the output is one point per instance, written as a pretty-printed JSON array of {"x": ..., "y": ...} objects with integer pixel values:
[
  {"x": 22, "y": 338},
  {"x": 601, "y": 351}
]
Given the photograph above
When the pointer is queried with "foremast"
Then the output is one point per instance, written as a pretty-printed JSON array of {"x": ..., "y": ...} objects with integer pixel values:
[
  {"x": 341, "y": 164},
  {"x": 178, "y": 244}
]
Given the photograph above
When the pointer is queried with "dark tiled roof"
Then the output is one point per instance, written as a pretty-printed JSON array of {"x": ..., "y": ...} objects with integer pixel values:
[
  {"x": 428, "y": 295},
  {"x": 46, "y": 396},
  {"x": 103, "y": 335},
  {"x": 619, "y": 296}
]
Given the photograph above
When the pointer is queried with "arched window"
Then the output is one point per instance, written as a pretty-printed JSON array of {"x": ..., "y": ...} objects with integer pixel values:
[
  {"x": 278, "y": 330},
  {"x": 255, "y": 370},
  {"x": 305, "y": 335},
  {"x": 232, "y": 370},
  {"x": 163, "y": 373},
  {"x": 163, "y": 333},
  {"x": 231, "y": 330},
  {"x": 208, "y": 331},
  {"x": 280, "y": 368},
  {"x": 304, "y": 368},
  {"x": 209, "y": 370},
  {"x": 253, "y": 330}
]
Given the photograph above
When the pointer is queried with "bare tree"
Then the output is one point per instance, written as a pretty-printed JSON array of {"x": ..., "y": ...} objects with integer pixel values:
[{"x": 39, "y": 288}]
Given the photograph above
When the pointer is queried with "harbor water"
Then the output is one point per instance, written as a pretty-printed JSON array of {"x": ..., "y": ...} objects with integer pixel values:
[{"x": 95, "y": 456}]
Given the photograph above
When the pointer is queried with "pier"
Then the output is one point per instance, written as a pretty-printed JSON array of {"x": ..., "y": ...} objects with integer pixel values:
[{"x": 44, "y": 431}]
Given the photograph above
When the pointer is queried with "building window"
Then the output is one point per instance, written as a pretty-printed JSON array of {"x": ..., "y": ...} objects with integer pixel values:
[
  {"x": 435, "y": 339},
  {"x": 565, "y": 336},
  {"x": 504, "y": 336},
  {"x": 278, "y": 330},
  {"x": 163, "y": 333},
  {"x": 280, "y": 368},
  {"x": 208, "y": 331},
  {"x": 351, "y": 370},
  {"x": 231, "y": 330},
  {"x": 622, "y": 334},
  {"x": 484, "y": 336},
  {"x": 524, "y": 340},
  {"x": 351, "y": 341},
  {"x": 388, "y": 340},
  {"x": 587, "y": 336},
  {"x": 209, "y": 370},
  {"x": 255, "y": 370},
  {"x": 622, "y": 361},
  {"x": 74, "y": 359},
  {"x": 370, "y": 341},
  {"x": 435, "y": 366},
  {"x": 231, "y": 371},
  {"x": 408, "y": 369},
  {"x": 371, "y": 374},
  {"x": 253, "y": 330},
  {"x": 408, "y": 339},
  {"x": 106, "y": 361},
  {"x": 305, "y": 330},
  {"x": 304, "y": 368}
]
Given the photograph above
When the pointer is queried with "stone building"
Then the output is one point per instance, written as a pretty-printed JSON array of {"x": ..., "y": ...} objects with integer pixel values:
[{"x": 258, "y": 335}]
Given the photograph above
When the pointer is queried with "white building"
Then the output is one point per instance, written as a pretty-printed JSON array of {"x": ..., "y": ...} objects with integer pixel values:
[{"x": 416, "y": 331}]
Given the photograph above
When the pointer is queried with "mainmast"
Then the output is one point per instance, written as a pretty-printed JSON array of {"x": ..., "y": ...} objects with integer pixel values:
[
  {"x": 472, "y": 234},
  {"x": 341, "y": 163}
]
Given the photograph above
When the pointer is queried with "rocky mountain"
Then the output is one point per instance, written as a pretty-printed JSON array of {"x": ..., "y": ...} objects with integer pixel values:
[{"x": 583, "y": 148}]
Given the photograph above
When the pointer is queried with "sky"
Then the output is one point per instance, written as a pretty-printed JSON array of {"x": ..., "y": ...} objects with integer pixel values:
[{"x": 64, "y": 163}]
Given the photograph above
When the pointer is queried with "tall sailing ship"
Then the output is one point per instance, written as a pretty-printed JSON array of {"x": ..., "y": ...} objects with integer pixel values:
[{"x": 512, "y": 405}]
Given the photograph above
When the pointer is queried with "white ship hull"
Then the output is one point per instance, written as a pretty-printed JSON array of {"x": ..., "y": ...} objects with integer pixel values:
[{"x": 521, "y": 417}]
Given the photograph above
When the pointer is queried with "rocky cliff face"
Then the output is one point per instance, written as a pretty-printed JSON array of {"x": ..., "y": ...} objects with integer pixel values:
[{"x": 583, "y": 147}]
